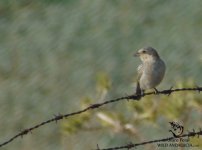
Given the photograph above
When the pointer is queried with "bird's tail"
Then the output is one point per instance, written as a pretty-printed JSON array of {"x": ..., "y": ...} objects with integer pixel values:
[{"x": 138, "y": 90}]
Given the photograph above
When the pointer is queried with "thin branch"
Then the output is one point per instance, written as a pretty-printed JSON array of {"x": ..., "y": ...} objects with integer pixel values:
[{"x": 95, "y": 106}]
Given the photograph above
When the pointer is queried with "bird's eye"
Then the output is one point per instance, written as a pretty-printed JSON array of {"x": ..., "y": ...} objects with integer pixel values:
[{"x": 143, "y": 51}]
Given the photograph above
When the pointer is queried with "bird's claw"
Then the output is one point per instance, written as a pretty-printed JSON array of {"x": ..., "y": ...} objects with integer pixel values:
[{"x": 156, "y": 91}]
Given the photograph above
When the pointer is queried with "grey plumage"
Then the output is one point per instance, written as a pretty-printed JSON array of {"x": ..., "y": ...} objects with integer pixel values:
[{"x": 151, "y": 71}]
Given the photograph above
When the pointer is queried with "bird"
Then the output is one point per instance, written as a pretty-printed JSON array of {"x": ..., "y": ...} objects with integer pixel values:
[{"x": 151, "y": 72}]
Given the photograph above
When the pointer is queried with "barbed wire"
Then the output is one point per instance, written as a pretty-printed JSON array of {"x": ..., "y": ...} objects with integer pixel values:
[
  {"x": 131, "y": 145},
  {"x": 95, "y": 106}
]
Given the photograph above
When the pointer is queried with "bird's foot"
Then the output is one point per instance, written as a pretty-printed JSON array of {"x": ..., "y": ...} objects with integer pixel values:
[
  {"x": 156, "y": 91},
  {"x": 142, "y": 92}
]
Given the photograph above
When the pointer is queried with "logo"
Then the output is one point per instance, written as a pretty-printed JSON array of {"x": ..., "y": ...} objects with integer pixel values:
[{"x": 176, "y": 128}]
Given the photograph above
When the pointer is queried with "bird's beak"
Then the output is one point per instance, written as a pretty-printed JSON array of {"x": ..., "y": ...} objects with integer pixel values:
[{"x": 136, "y": 54}]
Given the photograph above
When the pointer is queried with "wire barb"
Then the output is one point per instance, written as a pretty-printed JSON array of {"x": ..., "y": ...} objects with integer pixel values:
[
  {"x": 58, "y": 117},
  {"x": 199, "y": 89}
]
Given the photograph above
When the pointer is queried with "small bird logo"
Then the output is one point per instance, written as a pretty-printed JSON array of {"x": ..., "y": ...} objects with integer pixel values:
[
  {"x": 151, "y": 71},
  {"x": 177, "y": 129}
]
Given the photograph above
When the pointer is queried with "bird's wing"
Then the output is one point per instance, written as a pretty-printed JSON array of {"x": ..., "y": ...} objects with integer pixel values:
[{"x": 139, "y": 71}]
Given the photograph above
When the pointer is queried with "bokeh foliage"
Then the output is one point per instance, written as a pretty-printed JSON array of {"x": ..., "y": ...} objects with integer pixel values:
[
  {"x": 59, "y": 56},
  {"x": 154, "y": 112}
]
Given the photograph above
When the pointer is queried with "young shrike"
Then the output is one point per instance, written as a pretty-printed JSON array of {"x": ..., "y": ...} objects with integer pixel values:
[{"x": 151, "y": 71}]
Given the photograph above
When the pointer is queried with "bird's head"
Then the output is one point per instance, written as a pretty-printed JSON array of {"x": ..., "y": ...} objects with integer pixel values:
[{"x": 147, "y": 54}]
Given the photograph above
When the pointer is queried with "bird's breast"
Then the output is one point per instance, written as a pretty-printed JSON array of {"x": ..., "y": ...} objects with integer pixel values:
[{"x": 152, "y": 75}]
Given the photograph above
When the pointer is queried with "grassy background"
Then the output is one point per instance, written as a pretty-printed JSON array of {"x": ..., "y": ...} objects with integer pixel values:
[{"x": 52, "y": 51}]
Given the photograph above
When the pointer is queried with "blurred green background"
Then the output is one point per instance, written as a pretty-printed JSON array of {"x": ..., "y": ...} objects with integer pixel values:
[{"x": 58, "y": 56}]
